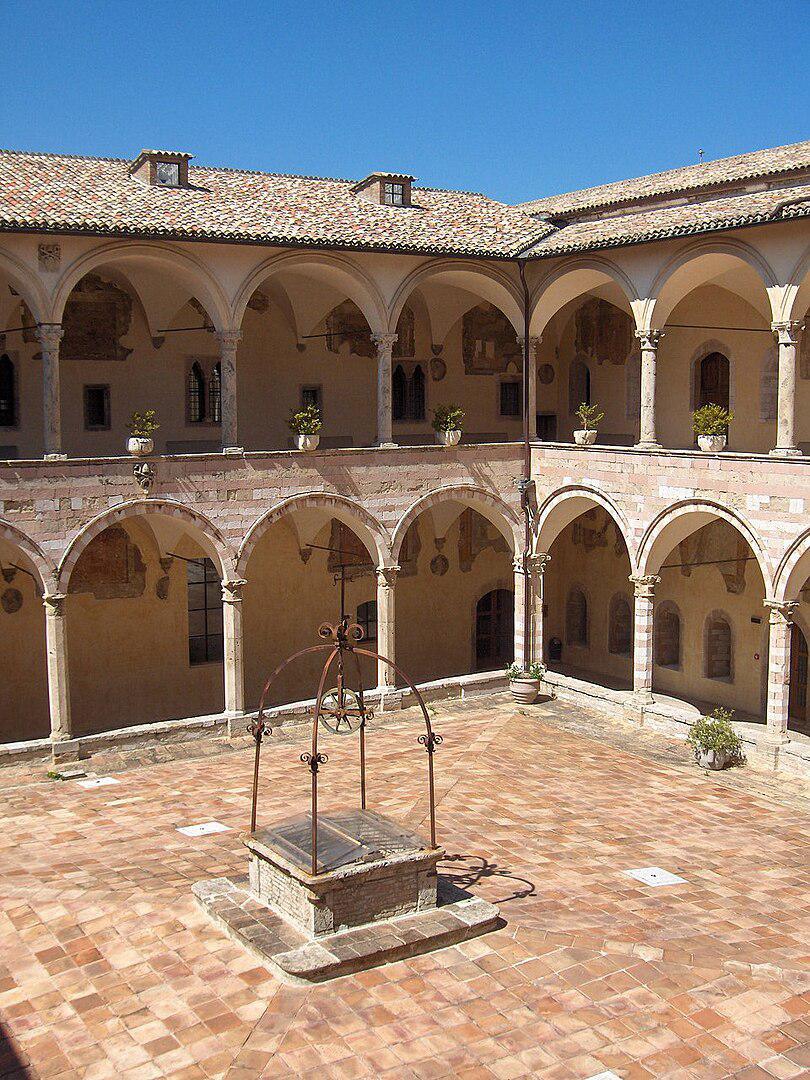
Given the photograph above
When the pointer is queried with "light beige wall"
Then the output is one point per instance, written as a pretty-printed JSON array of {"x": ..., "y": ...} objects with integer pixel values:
[{"x": 23, "y": 679}]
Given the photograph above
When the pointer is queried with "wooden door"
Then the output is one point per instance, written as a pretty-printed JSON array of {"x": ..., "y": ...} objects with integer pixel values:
[
  {"x": 797, "y": 707},
  {"x": 494, "y": 630},
  {"x": 713, "y": 381}
]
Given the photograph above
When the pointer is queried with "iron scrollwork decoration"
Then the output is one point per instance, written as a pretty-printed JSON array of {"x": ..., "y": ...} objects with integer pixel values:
[{"x": 341, "y": 710}]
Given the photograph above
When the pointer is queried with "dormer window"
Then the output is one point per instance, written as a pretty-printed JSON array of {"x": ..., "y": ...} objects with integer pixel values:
[
  {"x": 386, "y": 189},
  {"x": 167, "y": 174},
  {"x": 161, "y": 168}
]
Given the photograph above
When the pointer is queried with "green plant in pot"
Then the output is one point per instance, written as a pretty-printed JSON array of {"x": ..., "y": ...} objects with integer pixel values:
[
  {"x": 710, "y": 424},
  {"x": 142, "y": 427},
  {"x": 524, "y": 683},
  {"x": 447, "y": 423},
  {"x": 714, "y": 740},
  {"x": 590, "y": 418},
  {"x": 306, "y": 425}
]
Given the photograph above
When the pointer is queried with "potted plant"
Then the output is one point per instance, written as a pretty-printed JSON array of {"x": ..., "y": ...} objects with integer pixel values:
[
  {"x": 524, "y": 683},
  {"x": 305, "y": 425},
  {"x": 714, "y": 740},
  {"x": 447, "y": 421},
  {"x": 590, "y": 417},
  {"x": 142, "y": 425},
  {"x": 710, "y": 424}
]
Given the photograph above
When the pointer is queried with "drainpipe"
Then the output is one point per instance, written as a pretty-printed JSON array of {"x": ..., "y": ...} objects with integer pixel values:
[{"x": 525, "y": 482}]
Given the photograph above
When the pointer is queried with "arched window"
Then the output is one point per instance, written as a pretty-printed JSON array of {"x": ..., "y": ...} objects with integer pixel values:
[
  {"x": 667, "y": 637},
  {"x": 8, "y": 392},
  {"x": 408, "y": 395},
  {"x": 196, "y": 395},
  {"x": 579, "y": 385},
  {"x": 713, "y": 381},
  {"x": 215, "y": 394},
  {"x": 620, "y": 627},
  {"x": 367, "y": 619},
  {"x": 399, "y": 394},
  {"x": 417, "y": 394},
  {"x": 494, "y": 630},
  {"x": 719, "y": 656},
  {"x": 576, "y": 618}
]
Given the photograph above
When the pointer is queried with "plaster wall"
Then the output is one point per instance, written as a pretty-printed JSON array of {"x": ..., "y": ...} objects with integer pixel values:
[{"x": 23, "y": 679}]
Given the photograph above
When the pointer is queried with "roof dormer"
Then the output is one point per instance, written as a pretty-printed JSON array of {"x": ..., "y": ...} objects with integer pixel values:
[
  {"x": 161, "y": 168},
  {"x": 387, "y": 189}
]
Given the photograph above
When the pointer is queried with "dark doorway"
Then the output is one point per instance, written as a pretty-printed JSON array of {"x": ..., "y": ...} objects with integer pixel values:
[
  {"x": 494, "y": 630},
  {"x": 713, "y": 380},
  {"x": 797, "y": 707}
]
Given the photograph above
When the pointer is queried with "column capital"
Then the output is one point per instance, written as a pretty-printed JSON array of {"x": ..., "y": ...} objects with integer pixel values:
[
  {"x": 387, "y": 576},
  {"x": 644, "y": 585},
  {"x": 787, "y": 332},
  {"x": 49, "y": 335},
  {"x": 54, "y": 604},
  {"x": 384, "y": 342},
  {"x": 519, "y": 564},
  {"x": 649, "y": 339},
  {"x": 781, "y": 612},
  {"x": 534, "y": 341},
  {"x": 229, "y": 339},
  {"x": 539, "y": 562},
  {"x": 232, "y": 590}
]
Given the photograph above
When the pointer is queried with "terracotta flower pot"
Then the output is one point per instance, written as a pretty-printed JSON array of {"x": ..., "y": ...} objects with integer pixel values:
[
  {"x": 140, "y": 445},
  {"x": 524, "y": 691},
  {"x": 711, "y": 444},
  {"x": 449, "y": 438},
  {"x": 585, "y": 438},
  {"x": 307, "y": 443}
]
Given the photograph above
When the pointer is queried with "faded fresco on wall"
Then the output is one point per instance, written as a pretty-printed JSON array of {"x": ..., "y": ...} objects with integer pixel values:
[
  {"x": 489, "y": 342},
  {"x": 602, "y": 333}
]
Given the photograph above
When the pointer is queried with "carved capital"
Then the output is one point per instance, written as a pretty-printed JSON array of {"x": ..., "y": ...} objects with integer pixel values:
[
  {"x": 232, "y": 591},
  {"x": 384, "y": 342},
  {"x": 518, "y": 565},
  {"x": 49, "y": 335},
  {"x": 649, "y": 339},
  {"x": 644, "y": 585},
  {"x": 54, "y": 604},
  {"x": 387, "y": 576},
  {"x": 780, "y": 612},
  {"x": 787, "y": 332},
  {"x": 539, "y": 562},
  {"x": 229, "y": 340}
]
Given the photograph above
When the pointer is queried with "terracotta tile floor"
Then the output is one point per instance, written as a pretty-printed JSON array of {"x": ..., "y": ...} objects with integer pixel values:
[{"x": 108, "y": 969}]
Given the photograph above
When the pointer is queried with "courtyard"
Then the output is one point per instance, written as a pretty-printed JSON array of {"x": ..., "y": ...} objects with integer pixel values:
[{"x": 108, "y": 967}]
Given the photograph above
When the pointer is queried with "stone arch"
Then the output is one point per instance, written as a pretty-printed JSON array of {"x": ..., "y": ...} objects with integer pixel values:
[
  {"x": 337, "y": 270},
  {"x": 354, "y": 516},
  {"x": 195, "y": 275},
  {"x": 46, "y": 570},
  {"x": 793, "y": 570},
  {"x": 566, "y": 505},
  {"x": 681, "y": 520},
  {"x": 665, "y": 295},
  {"x": 490, "y": 506},
  {"x": 795, "y": 300},
  {"x": 487, "y": 282},
  {"x": 204, "y": 531},
  {"x": 572, "y": 279},
  {"x": 27, "y": 284}
]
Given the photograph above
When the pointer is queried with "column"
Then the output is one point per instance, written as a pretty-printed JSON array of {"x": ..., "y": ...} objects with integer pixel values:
[
  {"x": 522, "y": 598},
  {"x": 644, "y": 586},
  {"x": 538, "y": 564},
  {"x": 649, "y": 341},
  {"x": 56, "y": 650},
  {"x": 232, "y": 647},
  {"x": 228, "y": 344},
  {"x": 534, "y": 344},
  {"x": 385, "y": 347},
  {"x": 780, "y": 622},
  {"x": 49, "y": 335},
  {"x": 787, "y": 335},
  {"x": 386, "y": 640}
]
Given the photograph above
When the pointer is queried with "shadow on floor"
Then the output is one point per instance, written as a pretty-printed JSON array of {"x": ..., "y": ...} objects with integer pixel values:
[
  {"x": 467, "y": 870},
  {"x": 12, "y": 1066}
]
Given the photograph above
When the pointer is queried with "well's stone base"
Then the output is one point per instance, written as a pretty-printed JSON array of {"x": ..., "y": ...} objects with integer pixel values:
[{"x": 299, "y": 959}]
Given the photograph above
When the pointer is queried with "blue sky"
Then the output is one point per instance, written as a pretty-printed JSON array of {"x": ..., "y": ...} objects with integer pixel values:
[{"x": 516, "y": 100}]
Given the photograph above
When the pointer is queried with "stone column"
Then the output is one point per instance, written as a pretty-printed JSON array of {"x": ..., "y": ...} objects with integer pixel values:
[
  {"x": 386, "y": 636},
  {"x": 228, "y": 344},
  {"x": 49, "y": 335},
  {"x": 531, "y": 361},
  {"x": 643, "y": 636},
  {"x": 522, "y": 598},
  {"x": 57, "y": 661},
  {"x": 538, "y": 564},
  {"x": 385, "y": 347},
  {"x": 787, "y": 335},
  {"x": 780, "y": 623},
  {"x": 649, "y": 341},
  {"x": 232, "y": 647}
]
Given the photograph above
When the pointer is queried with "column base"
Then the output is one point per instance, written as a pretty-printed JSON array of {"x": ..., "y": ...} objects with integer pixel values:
[
  {"x": 54, "y": 457},
  {"x": 648, "y": 446},
  {"x": 387, "y": 445},
  {"x": 785, "y": 451},
  {"x": 233, "y": 451}
]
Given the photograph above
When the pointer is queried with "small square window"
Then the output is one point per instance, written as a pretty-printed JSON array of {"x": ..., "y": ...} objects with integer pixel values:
[
  {"x": 97, "y": 408},
  {"x": 393, "y": 194},
  {"x": 311, "y": 395},
  {"x": 510, "y": 399},
  {"x": 167, "y": 174}
]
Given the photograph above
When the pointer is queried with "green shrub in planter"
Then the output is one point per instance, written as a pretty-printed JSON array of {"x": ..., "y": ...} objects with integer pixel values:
[
  {"x": 306, "y": 421},
  {"x": 590, "y": 416},
  {"x": 711, "y": 420},
  {"x": 143, "y": 425},
  {"x": 448, "y": 418},
  {"x": 714, "y": 740},
  {"x": 515, "y": 671}
]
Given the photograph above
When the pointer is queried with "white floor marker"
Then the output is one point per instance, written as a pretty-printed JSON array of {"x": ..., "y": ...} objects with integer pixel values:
[
  {"x": 97, "y": 781},
  {"x": 205, "y": 828},
  {"x": 654, "y": 875}
]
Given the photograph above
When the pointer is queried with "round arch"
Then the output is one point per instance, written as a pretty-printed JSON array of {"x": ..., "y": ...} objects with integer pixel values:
[
  {"x": 194, "y": 273},
  {"x": 27, "y": 284},
  {"x": 487, "y": 282},
  {"x": 46, "y": 570},
  {"x": 336, "y": 270},
  {"x": 571, "y": 279},
  {"x": 490, "y": 506},
  {"x": 793, "y": 570},
  {"x": 678, "y": 522},
  {"x": 665, "y": 293},
  {"x": 204, "y": 531},
  {"x": 354, "y": 516},
  {"x": 566, "y": 505}
]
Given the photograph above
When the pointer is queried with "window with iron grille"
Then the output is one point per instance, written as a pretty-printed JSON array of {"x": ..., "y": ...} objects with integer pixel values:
[
  {"x": 195, "y": 403},
  {"x": 367, "y": 619},
  {"x": 215, "y": 394},
  {"x": 205, "y": 642},
  {"x": 393, "y": 194},
  {"x": 311, "y": 395},
  {"x": 8, "y": 392}
]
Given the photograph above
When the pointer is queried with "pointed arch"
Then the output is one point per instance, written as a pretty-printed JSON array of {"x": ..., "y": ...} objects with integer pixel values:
[
  {"x": 566, "y": 504},
  {"x": 488, "y": 505}
]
